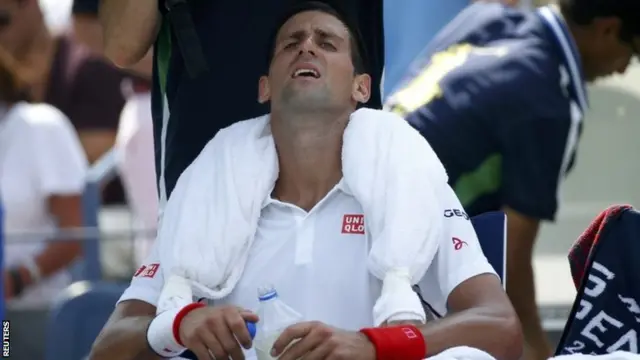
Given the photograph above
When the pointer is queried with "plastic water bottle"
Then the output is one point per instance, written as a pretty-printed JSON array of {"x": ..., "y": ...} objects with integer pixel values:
[{"x": 275, "y": 317}]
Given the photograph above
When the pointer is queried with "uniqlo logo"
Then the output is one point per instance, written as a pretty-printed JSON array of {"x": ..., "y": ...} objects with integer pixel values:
[
  {"x": 139, "y": 271},
  {"x": 410, "y": 333},
  {"x": 147, "y": 271},
  {"x": 353, "y": 224}
]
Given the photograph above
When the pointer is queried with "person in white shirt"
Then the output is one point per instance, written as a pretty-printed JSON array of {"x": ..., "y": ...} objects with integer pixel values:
[
  {"x": 42, "y": 176},
  {"x": 136, "y": 166},
  {"x": 304, "y": 245}
]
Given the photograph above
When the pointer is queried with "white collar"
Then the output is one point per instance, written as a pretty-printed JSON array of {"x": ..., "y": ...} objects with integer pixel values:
[
  {"x": 340, "y": 186},
  {"x": 554, "y": 20}
]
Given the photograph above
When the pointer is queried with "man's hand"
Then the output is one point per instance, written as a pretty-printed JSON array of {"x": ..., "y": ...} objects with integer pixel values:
[
  {"x": 213, "y": 331},
  {"x": 318, "y": 341}
]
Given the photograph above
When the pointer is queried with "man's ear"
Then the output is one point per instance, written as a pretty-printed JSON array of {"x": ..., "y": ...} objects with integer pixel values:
[
  {"x": 607, "y": 27},
  {"x": 264, "y": 91},
  {"x": 361, "y": 88}
]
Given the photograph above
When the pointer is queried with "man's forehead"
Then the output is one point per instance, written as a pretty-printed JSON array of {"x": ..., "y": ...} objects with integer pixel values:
[{"x": 313, "y": 20}]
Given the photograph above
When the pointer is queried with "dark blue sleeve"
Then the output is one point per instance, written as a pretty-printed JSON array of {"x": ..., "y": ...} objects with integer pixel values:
[
  {"x": 537, "y": 146},
  {"x": 533, "y": 165}
]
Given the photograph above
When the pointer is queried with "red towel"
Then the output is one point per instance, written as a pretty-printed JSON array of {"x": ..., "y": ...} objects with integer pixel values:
[{"x": 581, "y": 253}]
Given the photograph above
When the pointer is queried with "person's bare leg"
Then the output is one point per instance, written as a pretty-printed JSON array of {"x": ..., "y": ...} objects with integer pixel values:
[{"x": 521, "y": 235}]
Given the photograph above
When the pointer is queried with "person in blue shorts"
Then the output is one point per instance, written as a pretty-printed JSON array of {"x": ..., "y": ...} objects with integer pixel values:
[{"x": 500, "y": 95}]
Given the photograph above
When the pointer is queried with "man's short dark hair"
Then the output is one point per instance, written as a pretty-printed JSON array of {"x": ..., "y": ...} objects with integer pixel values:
[
  {"x": 358, "y": 52},
  {"x": 583, "y": 12}
]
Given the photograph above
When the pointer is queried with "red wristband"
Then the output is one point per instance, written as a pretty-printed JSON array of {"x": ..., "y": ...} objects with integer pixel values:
[
  {"x": 180, "y": 315},
  {"x": 397, "y": 342}
]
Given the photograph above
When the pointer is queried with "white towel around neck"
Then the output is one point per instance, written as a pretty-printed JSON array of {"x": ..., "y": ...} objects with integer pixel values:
[{"x": 211, "y": 218}]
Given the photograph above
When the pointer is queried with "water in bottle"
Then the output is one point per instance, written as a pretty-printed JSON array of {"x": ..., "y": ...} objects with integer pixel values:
[{"x": 275, "y": 317}]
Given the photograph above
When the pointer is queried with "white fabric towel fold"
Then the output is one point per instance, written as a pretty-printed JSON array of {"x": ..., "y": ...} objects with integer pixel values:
[
  {"x": 462, "y": 353},
  {"x": 211, "y": 218}
]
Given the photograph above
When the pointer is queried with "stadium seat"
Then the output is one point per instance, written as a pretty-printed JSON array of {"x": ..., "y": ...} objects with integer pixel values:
[
  {"x": 491, "y": 228},
  {"x": 77, "y": 317}
]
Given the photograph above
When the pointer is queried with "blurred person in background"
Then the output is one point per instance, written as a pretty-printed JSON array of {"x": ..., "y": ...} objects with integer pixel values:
[
  {"x": 86, "y": 30},
  {"x": 135, "y": 162},
  {"x": 191, "y": 78},
  {"x": 500, "y": 96},
  {"x": 133, "y": 146},
  {"x": 57, "y": 14},
  {"x": 59, "y": 71},
  {"x": 409, "y": 28},
  {"x": 42, "y": 176}
]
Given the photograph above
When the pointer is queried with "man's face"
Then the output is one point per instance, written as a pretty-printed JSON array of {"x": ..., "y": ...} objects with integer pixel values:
[
  {"x": 17, "y": 25},
  {"x": 607, "y": 53},
  {"x": 312, "y": 68}
]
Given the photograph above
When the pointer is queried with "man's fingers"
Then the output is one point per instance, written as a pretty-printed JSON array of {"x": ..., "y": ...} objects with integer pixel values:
[
  {"x": 290, "y": 334},
  {"x": 227, "y": 339},
  {"x": 301, "y": 349},
  {"x": 249, "y": 316},
  {"x": 238, "y": 327},
  {"x": 211, "y": 343},
  {"x": 201, "y": 351}
]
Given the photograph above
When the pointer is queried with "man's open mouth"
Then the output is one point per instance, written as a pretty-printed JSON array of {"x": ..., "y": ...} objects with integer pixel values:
[{"x": 307, "y": 73}]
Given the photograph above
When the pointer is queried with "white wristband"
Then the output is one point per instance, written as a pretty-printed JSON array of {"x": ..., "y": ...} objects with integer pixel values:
[{"x": 160, "y": 335}]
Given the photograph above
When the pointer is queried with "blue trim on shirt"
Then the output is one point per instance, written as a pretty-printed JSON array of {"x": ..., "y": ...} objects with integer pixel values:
[{"x": 564, "y": 39}]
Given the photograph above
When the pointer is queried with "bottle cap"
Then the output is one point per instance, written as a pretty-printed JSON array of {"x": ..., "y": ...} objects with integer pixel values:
[
  {"x": 252, "y": 329},
  {"x": 267, "y": 293}
]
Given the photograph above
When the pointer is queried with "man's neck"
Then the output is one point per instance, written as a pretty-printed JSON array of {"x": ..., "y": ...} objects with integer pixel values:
[{"x": 309, "y": 154}]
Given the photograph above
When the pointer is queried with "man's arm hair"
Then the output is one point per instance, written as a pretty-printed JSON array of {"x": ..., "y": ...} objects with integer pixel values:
[
  {"x": 481, "y": 317},
  {"x": 130, "y": 29},
  {"x": 124, "y": 337}
]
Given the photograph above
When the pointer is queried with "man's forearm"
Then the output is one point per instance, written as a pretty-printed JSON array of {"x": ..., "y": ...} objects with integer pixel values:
[
  {"x": 490, "y": 329},
  {"x": 130, "y": 28},
  {"x": 125, "y": 339}
]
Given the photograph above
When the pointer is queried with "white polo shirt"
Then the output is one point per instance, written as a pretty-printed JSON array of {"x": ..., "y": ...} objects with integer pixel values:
[
  {"x": 317, "y": 261},
  {"x": 40, "y": 156}
]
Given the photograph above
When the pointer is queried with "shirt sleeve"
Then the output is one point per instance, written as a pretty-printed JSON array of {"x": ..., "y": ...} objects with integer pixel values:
[
  {"x": 458, "y": 259},
  {"x": 535, "y": 160},
  {"x": 537, "y": 143},
  {"x": 147, "y": 282},
  {"x": 61, "y": 162}
]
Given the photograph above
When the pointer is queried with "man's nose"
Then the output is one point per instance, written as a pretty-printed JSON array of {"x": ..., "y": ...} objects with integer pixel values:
[{"x": 308, "y": 45}]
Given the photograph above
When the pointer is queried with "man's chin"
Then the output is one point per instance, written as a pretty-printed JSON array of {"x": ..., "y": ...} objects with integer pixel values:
[{"x": 306, "y": 96}]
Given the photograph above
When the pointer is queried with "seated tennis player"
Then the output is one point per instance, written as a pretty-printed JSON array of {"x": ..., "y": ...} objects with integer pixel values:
[{"x": 303, "y": 247}]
